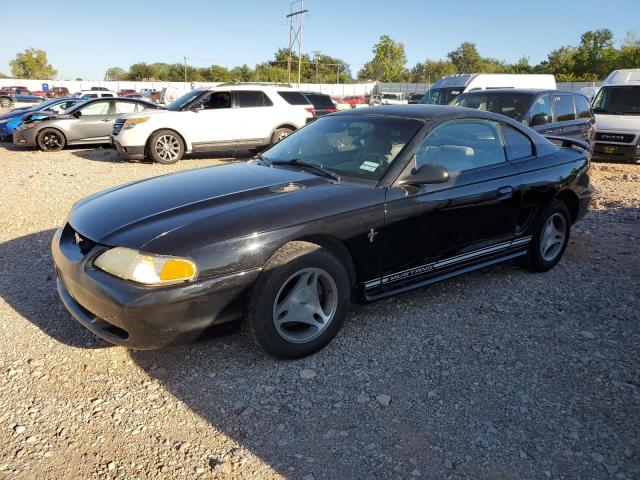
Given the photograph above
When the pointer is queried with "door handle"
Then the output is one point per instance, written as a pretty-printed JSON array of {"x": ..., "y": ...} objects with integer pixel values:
[
  {"x": 106, "y": 119},
  {"x": 505, "y": 193}
]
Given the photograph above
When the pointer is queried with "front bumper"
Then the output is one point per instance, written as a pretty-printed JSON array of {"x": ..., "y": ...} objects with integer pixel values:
[
  {"x": 616, "y": 152},
  {"x": 4, "y": 131},
  {"x": 135, "y": 152},
  {"x": 136, "y": 316},
  {"x": 26, "y": 138}
]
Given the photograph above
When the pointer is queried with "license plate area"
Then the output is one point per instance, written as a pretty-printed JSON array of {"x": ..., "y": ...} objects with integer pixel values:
[{"x": 609, "y": 149}]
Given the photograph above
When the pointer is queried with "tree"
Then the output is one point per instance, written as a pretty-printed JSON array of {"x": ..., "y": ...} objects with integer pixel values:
[
  {"x": 115, "y": 73},
  {"x": 388, "y": 63},
  {"x": 596, "y": 56},
  {"x": 32, "y": 63},
  {"x": 466, "y": 58},
  {"x": 139, "y": 72},
  {"x": 521, "y": 66},
  {"x": 242, "y": 74},
  {"x": 2, "y": 75},
  {"x": 430, "y": 71}
]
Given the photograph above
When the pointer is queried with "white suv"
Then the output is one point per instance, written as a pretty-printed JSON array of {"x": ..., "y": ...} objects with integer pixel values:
[{"x": 237, "y": 117}]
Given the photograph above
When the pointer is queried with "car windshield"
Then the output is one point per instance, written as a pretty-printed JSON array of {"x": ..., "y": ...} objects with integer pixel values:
[
  {"x": 181, "y": 102},
  {"x": 360, "y": 146},
  {"x": 513, "y": 105},
  {"x": 618, "y": 100},
  {"x": 441, "y": 96}
]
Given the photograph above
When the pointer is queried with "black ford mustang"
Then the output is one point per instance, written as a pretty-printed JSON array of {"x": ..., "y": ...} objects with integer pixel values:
[{"x": 373, "y": 202}]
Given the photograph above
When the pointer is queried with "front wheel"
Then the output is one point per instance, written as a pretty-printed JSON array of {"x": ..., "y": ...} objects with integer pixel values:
[
  {"x": 298, "y": 303},
  {"x": 50, "y": 140},
  {"x": 166, "y": 147},
  {"x": 550, "y": 237},
  {"x": 280, "y": 134}
]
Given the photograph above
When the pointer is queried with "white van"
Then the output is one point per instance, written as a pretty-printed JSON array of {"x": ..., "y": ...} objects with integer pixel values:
[
  {"x": 617, "y": 111},
  {"x": 449, "y": 87}
]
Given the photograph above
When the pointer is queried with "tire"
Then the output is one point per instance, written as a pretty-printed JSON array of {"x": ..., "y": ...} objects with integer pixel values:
[
  {"x": 280, "y": 134},
  {"x": 550, "y": 237},
  {"x": 50, "y": 140},
  {"x": 284, "y": 294},
  {"x": 5, "y": 102},
  {"x": 166, "y": 147}
]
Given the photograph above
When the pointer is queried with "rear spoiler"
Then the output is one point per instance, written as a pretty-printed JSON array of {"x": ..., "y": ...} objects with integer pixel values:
[{"x": 569, "y": 142}]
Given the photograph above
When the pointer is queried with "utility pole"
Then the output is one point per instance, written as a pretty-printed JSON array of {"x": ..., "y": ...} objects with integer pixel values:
[
  {"x": 185, "y": 70},
  {"x": 296, "y": 22}
]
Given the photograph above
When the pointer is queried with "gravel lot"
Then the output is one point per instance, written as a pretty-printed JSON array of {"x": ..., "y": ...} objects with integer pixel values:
[{"x": 501, "y": 374}]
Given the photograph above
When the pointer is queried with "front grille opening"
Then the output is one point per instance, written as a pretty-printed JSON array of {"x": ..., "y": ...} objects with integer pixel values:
[{"x": 105, "y": 326}]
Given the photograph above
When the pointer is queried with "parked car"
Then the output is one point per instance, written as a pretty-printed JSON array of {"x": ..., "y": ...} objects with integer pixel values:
[
  {"x": 371, "y": 201},
  {"x": 322, "y": 103},
  {"x": 354, "y": 100},
  {"x": 413, "y": 98},
  {"x": 7, "y": 98},
  {"x": 224, "y": 118},
  {"x": 548, "y": 112},
  {"x": 617, "y": 109},
  {"x": 10, "y": 121},
  {"x": 87, "y": 94},
  {"x": 58, "y": 92},
  {"x": 88, "y": 123},
  {"x": 125, "y": 92},
  {"x": 10, "y": 95},
  {"x": 100, "y": 89},
  {"x": 136, "y": 95},
  {"x": 450, "y": 86},
  {"x": 392, "y": 98}
]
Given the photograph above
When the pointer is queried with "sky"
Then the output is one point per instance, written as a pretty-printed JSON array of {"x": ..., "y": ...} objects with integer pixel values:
[{"x": 80, "y": 43}]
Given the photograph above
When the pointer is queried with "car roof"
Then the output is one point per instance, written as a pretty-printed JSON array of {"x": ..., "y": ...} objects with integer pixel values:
[{"x": 531, "y": 91}]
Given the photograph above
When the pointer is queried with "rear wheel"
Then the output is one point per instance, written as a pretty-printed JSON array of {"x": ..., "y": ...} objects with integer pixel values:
[
  {"x": 298, "y": 303},
  {"x": 280, "y": 134},
  {"x": 5, "y": 102},
  {"x": 166, "y": 147},
  {"x": 550, "y": 238},
  {"x": 50, "y": 140}
]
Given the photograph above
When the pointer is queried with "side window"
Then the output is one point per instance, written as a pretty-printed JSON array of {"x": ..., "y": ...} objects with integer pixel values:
[
  {"x": 462, "y": 145},
  {"x": 107, "y": 95},
  {"x": 582, "y": 107},
  {"x": 564, "y": 108},
  {"x": 96, "y": 108},
  {"x": 140, "y": 107},
  {"x": 125, "y": 107},
  {"x": 216, "y": 100},
  {"x": 251, "y": 98},
  {"x": 517, "y": 144},
  {"x": 541, "y": 105}
]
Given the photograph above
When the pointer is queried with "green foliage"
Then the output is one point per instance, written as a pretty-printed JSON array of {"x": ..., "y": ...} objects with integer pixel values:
[
  {"x": 430, "y": 71},
  {"x": 115, "y": 73},
  {"x": 2, "y": 75},
  {"x": 388, "y": 63},
  {"x": 32, "y": 63}
]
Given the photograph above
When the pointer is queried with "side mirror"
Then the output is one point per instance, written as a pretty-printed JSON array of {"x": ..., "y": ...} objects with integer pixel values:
[
  {"x": 539, "y": 119},
  {"x": 426, "y": 174},
  {"x": 77, "y": 113}
]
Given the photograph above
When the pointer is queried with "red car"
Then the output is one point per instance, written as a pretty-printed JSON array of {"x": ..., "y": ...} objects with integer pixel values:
[
  {"x": 58, "y": 92},
  {"x": 353, "y": 100},
  {"x": 125, "y": 92}
]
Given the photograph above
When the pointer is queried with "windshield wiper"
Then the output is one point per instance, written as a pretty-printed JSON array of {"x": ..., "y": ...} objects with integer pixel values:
[
  {"x": 264, "y": 159},
  {"x": 317, "y": 168}
]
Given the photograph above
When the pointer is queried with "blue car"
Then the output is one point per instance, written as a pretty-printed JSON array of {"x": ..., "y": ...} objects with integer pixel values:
[{"x": 9, "y": 121}]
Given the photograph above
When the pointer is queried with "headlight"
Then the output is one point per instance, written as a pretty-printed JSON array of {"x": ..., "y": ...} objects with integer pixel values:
[
  {"x": 146, "y": 268},
  {"x": 132, "y": 122}
]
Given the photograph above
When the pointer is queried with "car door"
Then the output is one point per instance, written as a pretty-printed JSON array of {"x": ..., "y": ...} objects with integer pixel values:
[
  {"x": 585, "y": 120},
  {"x": 473, "y": 216},
  {"x": 258, "y": 110},
  {"x": 94, "y": 123},
  {"x": 540, "y": 116},
  {"x": 567, "y": 124},
  {"x": 213, "y": 123}
]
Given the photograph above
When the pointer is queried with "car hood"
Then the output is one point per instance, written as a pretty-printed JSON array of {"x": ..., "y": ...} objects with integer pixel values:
[
  {"x": 16, "y": 112},
  {"x": 40, "y": 115},
  {"x": 133, "y": 215},
  {"x": 623, "y": 123}
]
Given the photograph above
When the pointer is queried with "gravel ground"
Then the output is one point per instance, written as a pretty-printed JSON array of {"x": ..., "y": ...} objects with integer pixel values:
[{"x": 501, "y": 374}]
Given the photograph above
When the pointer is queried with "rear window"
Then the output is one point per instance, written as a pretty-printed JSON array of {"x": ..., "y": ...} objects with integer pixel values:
[
  {"x": 564, "y": 108},
  {"x": 294, "y": 98},
  {"x": 252, "y": 98},
  {"x": 582, "y": 106},
  {"x": 319, "y": 101}
]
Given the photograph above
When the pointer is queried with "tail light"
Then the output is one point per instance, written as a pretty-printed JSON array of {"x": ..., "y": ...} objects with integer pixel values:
[{"x": 311, "y": 111}]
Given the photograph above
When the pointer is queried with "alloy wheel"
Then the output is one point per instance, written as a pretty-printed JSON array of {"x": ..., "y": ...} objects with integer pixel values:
[
  {"x": 50, "y": 141},
  {"x": 305, "y": 305},
  {"x": 167, "y": 147},
  {"x": 553, "y": 236}
]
